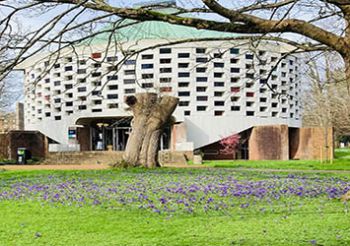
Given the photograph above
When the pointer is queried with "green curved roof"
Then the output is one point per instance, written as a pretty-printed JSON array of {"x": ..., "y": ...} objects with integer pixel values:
[{"x": 134, "y": 31}]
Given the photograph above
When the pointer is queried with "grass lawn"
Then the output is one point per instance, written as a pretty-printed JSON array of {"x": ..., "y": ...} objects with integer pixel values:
[
  {"x": 172, "y": 207},
  {"x": 341, "y": 162}
]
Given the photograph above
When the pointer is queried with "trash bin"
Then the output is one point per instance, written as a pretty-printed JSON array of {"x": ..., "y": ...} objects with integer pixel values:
[{"x": 21, "y": 156}]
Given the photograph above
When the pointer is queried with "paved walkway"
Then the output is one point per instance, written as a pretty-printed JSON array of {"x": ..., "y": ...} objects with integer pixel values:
[{"x": 102, "y": 167}]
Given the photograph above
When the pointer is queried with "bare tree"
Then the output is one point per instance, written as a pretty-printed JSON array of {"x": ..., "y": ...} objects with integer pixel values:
[{"x": 70, "y": 22}]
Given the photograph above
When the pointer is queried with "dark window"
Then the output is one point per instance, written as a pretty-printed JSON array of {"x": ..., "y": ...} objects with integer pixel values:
[
  {"x": 147, "y": 85},
  {"x": 235, "y": 70},
  {"x": 202, "y": 59},
  {"x": 95, "y": 93},
  {"x": 146, "y": 66},
  {"x": 57, "y": 83},
  {"x": 69, "y": 104},
  {"x": 249, "y": 75},
  {"x": 201, "y": 79},
  {"x": 56, "y": 65},
  {"x": 97, "y": 102},
  {"x": 129, "y": 72},
  {"x": 218, "y": 93},
  {"x": 218, "y": 113},
  {"x": 200, "y": 50},
  {"x": 250, "y": 94},
  {"x": 112, "y": 96},
  {"x": 57, "y": 100},
  {"x": 183, "y": 65},
  {"x": 67, "y": 87},
  {"x": 219, "y": 103},
  {"x": 183, "y": 55},
  {"x": 235, "y": 89},
  {"x": 113, "y": 105},
  {"x": 184, "y": 84},
  {"x": 201, "y": 69},
  {"x": 82, "y": 107},
  {"x": 187, "y": 113},
  {"x": 96, "y": 74},
  {"x": 165, "y": 70},
  {"x": 249, "y": 56},
  {"x": 147, "y": 76},
  {"x": 219, "y": 64},
  {"x": 234, "y": 51},
  {"x": 218, "y": 75},
  {"x": 201, "y": 108},
  {"x": 96, "y": 110},
  {"x": 235, "y": 108},
  {"x": 96, "y": 55},
  {"x": 166, "y": 89},
  {"x": 184, "y": 103},
  {"x": 234, "y": 61},
  {"x": 183, "y": 93},
  {"x": 165, "y": 61},
  {"x": 113, "y": 87},
  {"x": 219, "y": 84},
  {"x": 164, "y": 80},
  {"x": 47, "y": 114},
  {"x": 112, "y": 77},
  {"x": 81, "y": 71},
  {"x": 129, "y": 91},
  {"x": 57, "y": 117},
  {"x": 263, "y": 109},
  {"x": 97, "y": 65},
  {"x": 183, "y": 75},
  {"x": 234, "y": 79},
  {"x": 201, "y": 89},
  {"x": 164, "y": 50},
  {"x": 112, "y": 58},
  {"x": 202, "y": 98},
  {"x": 130, "y": 62},
  {"x": 147, "y": 57},
  {"x": 81, "y": 89},
  {"x": 82, "y": 62},
  {"x": 263, "y": 99},
  {"x": 250, "y": 113}
]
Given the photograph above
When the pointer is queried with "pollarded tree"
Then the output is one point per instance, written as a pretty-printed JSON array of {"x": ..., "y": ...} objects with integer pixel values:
[{"x": 308, "y": 21}]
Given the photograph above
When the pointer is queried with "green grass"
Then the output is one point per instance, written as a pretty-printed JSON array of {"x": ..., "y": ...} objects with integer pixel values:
[
  {"x": 341, "y": 162},
  {"x": 33, "y": 223}
]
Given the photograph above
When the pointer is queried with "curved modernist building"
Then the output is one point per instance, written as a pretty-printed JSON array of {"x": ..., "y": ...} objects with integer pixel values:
[{"x": 225, "y": 86}]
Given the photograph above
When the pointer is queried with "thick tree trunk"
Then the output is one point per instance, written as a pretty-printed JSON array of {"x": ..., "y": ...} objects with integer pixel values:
[{"x": 151, "y": 113}]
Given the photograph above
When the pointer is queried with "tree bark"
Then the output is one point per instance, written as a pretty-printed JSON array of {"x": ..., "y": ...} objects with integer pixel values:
[{"x": 151, "y": 114}]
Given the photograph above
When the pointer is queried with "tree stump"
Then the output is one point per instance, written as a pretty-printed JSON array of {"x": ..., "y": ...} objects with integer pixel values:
[{"x": 151, "y": 113}]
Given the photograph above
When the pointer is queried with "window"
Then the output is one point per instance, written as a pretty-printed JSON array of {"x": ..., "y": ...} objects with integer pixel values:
[
  {"x": 112, "y": 58},
  {"x": 97, "y": 102},
  {"x": 202, "y": 59},
  {"x": 68, "y": 59},
  {"x": 146, "y": 66},
  {"x": 147, "y": 76},
  {"x": 234, "y": 79},
  {"x": 69, "y": 77},
  {"x": 201, "y": 79},
  {"x": 187, "y": 113},
  {"x": 81, "y": 71},
  {"x": 56, "y": 65},
  {"x": 250, "y": 113},
  {"x": 113, "y": 105},
  {"x": 218, "y": 113},
  {"x": 219, "y": 84},
  {"x": 219, "y": 103},
  {"x": 112, "y": 68},
  {"x": 183, "y": 75},
  {"x": 82, "y": 62},
  {"x": 96, "y": 110},
  {"x": 184, "y": 103},
  {"x": 147, "y": 57},
  {"x": 82, "y": 107},
  {"x": 97, "y": 65},
  {"x": 81, "y": 80},
  {"x": 69, "y": 104},
  {"x": 129, "y": 81},
  {"x": 112, "y": 96},
  {"x": 201, "y": 89},
  {"x": 234, "y": 99},
  {"x": 57, "y": 100},
  {"x": 129, "y": 72},
  {"x": 202, "y": 98},
  {"x": 218, "y": 93},
  {"x": 47, "y": 114},
  {"x": 274, "y": 105},
  {"x": 165, "y": 89},
  {"x": 235, "y": 108},
  {"x": 184, "y": 84},
  {"x": 165, "y": 61},
  {"x": 183, "y": 93},
  {"x": 250, "y": 94},
  {"x": 69, "y": 86},
  {"x": 147, "y": 85},
  {"x": 81, "y": 89},
  {"x": 201, "y": 69},
  {"x": 249, "y": 56},
  {"x": 96, "y": 55},
  {"x": 130, "y": 62},
  {"x": 219, "y": 64},
  {"x": 200, "y": 50},
  {"x": 218, "y": 75},
  {"x": 249, "y": 75},
  {"x": 235, "y": 70},
  {"x": 183, "y": 65},
  {"x": 96, "y": 93},
  {"x": 112, "y": 77},
  {"x": 164, "y": 50},
  {"x": 263, "y": 109},
  {"x": 57, "y": 83},
  {"x": 96, "y": 74},
  {"x": 263, "y": 99},
  {"x": 129, "y": 91},
  {"x": 57, "y": 117},
  {"x": 183, "y": 55},
  {"x": 234, "y": 61},
  {"x": 201, "y": 108},
  {"x": 249, "y": 104},
  {"x": 234, "y": 51},
  {"x": 113, "y": 87},
  {"x": 165, "y": 70},
  {"x": 235, "y": 89},
  {"x": 164, "y": 80}
]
